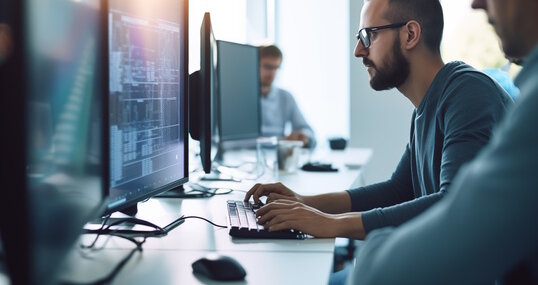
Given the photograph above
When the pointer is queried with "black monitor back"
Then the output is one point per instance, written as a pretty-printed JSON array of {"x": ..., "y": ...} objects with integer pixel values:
[
  {"x": 239, "y": 91},
  {"x": 53, "y": 122},
  {"x": 203, "y": 96}
]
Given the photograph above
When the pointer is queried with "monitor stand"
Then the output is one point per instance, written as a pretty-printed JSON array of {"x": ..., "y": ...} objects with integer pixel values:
[
  {"x": 179, "y": 192},
  {"x": 155, "y": 214},
  {"x": 130, "y": 211},
  {"x": 216, "y": 174}
]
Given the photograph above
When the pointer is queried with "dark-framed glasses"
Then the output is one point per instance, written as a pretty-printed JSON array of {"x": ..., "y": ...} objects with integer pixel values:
[{"x": 364, "y": 34}]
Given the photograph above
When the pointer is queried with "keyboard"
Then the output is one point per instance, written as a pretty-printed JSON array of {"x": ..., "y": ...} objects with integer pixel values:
[{"x": 243, "y": 223}]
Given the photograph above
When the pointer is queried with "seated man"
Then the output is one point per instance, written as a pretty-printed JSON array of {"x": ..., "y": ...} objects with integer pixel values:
[
  {"x": 487, "y": 227},
  {"x": 457, "y": 108},
  {"x": 278, "y": 105}
]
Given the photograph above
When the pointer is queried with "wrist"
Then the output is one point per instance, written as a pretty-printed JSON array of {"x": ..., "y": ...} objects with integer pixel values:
[
  {"x": 349, "y": 225},
  {"x": 304, "y": 199}
]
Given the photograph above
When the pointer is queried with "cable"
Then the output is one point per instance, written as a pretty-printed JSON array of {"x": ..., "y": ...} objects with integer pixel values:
[
  {"x": 107, "y": 230},
  {"x": 92, "y": 244},
  {"x": 110, "y": 277},
  {"x": 201, "y": 218}
]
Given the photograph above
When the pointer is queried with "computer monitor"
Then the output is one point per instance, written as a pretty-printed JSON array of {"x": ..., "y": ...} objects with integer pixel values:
[
  {"x": 204, "y": 97},
  {"x": 148, "y": 55},
  {"x": 239, "y": 91},
  {"x": 53, "y": 118}
]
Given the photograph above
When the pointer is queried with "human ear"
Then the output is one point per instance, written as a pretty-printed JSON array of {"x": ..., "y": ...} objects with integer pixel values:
[{"x": 412, "y": 33}]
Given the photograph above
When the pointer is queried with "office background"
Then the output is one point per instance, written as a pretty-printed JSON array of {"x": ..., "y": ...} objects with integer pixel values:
[{"x": 330, "y": 85}]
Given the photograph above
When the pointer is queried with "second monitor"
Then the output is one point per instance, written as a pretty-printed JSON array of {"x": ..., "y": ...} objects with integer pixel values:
[{"x": 239, "y": 90}]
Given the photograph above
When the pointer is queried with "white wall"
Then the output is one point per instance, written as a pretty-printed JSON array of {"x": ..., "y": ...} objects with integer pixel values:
[
  {"x": 379, "y": 120},
  {"x": 314, "y": 37},
  {"x": 228, "y": 19}
]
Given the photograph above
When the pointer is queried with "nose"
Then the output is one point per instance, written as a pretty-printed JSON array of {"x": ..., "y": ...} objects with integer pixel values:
[
  {"x": 360, "y": 51},
  {"x": 479, "y": 4}
]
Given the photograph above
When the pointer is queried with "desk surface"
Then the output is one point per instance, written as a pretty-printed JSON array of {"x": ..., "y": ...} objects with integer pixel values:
[{"x": 168, "y": 260}]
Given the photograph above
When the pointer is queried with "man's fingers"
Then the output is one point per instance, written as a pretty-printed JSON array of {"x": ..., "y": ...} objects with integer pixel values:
[
  {"x": 251, "y": 191},
  {"x": 277, "y": 205},
  {"x": 271, "y": 197},
  {"x": 274, "y": 216}
]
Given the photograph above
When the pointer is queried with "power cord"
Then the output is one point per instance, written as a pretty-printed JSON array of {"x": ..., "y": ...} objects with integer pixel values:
[{"x": 106, "y": 230}]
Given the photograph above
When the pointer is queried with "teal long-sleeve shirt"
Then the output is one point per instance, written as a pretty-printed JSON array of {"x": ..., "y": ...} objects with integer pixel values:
[
  {"x": 487, "y": 226},
  {"x": 451, "y": 125}
]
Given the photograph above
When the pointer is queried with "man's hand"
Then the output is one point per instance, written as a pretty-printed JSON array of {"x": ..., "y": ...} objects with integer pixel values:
[
  {"x": 273, "y": 192},
  {"x": 298, "y": 136},
  {"x": 286, "y": 214}
]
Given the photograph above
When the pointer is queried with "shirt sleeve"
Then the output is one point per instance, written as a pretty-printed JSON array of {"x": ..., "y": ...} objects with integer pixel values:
[
  {"x": 484, "y": 228},
  {"x": 398, "y": 189},
  {"x": 468, "y": 113},
  {"x": 467, "y": 117}
]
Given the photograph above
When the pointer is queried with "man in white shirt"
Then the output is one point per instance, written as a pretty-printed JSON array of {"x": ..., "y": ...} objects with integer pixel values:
[{"x": 278, "y": 105}]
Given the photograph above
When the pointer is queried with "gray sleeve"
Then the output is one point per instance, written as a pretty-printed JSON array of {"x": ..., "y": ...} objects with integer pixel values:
[
  {"x": 483, "y": 228},
  {"x": 468, "y": 113},
  {"x": 397, "y": 189},
  {"x": 298, "y": 122}
]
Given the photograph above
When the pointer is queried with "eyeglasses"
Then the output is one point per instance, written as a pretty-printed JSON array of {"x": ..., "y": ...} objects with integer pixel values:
[
  {"x": 270, "y": 67},
  {"x": 365, "y": 33}
]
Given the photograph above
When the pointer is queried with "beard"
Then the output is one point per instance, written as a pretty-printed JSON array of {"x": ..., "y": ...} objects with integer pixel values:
[{"x": 394, "y": 71}]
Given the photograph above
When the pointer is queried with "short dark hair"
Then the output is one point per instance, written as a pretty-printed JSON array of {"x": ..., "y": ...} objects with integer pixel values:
[
  {"x": 270, "y": 51},
  {"x": 428, "y": 13}
]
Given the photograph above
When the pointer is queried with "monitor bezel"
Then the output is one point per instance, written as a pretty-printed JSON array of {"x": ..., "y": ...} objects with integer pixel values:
[{"x": 111, "y": 205}]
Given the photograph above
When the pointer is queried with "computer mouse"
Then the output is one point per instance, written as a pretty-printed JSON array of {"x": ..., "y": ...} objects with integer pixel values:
[{"x": 219, "y": 267}]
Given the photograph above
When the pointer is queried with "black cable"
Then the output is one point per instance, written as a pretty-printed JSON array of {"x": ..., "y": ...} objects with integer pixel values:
[
  {"x": 110, "y": 277},
  {"x": 201, "y": 218},
  {"x": 107, "y": 230},
  {"x": 92, "y": 244}
]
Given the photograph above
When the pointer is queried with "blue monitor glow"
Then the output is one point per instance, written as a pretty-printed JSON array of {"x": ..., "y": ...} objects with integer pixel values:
[{"x": 148, "y": 54}]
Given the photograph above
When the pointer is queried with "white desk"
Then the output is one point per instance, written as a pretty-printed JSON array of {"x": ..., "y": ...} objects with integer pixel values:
[{"x": 168, "y": 260}]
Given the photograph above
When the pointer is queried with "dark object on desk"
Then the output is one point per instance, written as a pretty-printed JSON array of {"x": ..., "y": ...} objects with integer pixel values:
[
  {"x": 222, "y": 268},
  {"x": 337, "y": 143},
  {"x": 318, "y": 167}
]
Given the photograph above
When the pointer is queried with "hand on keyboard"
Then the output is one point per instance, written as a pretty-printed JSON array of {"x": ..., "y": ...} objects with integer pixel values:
[
  {"x": 285, "y": 214},
  {"x": 244, "y": 223},
  {"x": 273, "y": 192}
]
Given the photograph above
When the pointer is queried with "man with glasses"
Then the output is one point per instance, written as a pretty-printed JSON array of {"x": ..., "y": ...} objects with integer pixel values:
[
  {"x": 457, "y": 108},
  {"x": 486, "y": 229},
  {"x": 278, "y": 105}
]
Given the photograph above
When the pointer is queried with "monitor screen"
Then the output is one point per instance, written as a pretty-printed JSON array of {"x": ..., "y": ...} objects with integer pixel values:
[
  {"x": 53, "y": 81},
  {"x": 147, "y": 99},
  {"x": 239, "y": 91}
]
